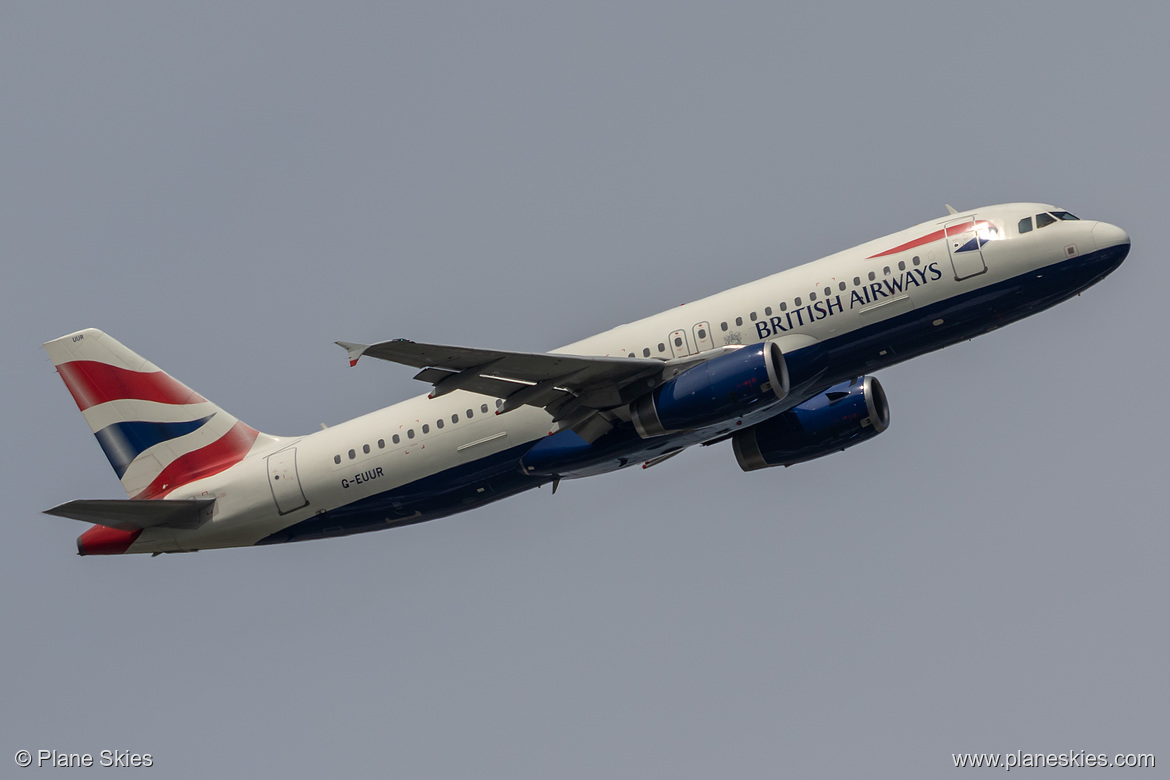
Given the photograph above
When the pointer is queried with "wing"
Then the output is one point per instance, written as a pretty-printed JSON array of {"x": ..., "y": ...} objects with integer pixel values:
[{"x": 585, "y": 393}]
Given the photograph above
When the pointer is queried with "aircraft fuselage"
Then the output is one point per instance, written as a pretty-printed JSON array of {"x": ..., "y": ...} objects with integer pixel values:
[{"x": 834, "y": 319}]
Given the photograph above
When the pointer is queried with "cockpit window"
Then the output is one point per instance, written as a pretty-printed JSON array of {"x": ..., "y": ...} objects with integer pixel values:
[
  {"x": 1063, "y": 215},
  {"x": 1044, "y": 220},
  {"x": 1026, "y": 225}
]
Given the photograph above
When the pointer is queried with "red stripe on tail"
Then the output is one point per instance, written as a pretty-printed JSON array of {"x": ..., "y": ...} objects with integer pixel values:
[
  {"x": 92, "y": 383},
  {"x": 218, "y": 456},
  {"x": 101, "y": 540}
]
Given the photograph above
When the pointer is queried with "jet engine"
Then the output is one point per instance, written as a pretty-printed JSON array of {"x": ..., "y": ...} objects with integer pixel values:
[
  {"x": 844, "y": 415},
  {"x": 720, "y": 388}
]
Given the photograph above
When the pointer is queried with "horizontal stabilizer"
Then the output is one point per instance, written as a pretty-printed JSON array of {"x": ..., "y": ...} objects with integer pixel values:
[{"x": 132, "y": 515}]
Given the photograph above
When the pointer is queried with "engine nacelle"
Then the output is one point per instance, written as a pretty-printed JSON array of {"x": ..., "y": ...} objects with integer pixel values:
[
  {"x": 716, "y": 390},
  {"x": 844, "y": 415}
]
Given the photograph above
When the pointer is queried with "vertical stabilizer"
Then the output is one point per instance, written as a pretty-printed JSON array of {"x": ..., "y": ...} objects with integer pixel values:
[{"x": 157, "y": 433}]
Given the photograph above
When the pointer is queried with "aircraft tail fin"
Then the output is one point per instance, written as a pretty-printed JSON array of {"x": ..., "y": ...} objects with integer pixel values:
[{"x": 157, "y": 433}]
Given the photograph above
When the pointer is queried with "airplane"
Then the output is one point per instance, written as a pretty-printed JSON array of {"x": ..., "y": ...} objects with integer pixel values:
[{"x": 780, "y": 367}]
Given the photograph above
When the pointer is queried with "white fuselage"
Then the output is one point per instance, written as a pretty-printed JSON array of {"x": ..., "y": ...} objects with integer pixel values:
[{"x": 827, "y": 301}]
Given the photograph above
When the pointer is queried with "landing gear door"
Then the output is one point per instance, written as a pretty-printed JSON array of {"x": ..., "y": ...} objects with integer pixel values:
[
  {"x": 283, "y": 479},
  {"x": 964, "y": 246}
]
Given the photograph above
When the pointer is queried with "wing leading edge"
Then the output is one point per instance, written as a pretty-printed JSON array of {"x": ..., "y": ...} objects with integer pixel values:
[{"x": 583, "y": 392}]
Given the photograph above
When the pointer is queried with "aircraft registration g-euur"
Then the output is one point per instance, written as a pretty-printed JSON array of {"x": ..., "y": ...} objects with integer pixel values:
[{"x": 779, "y": 368}]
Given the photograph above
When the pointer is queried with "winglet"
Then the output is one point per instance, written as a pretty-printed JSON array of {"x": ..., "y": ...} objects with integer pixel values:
[{"x": 355, "y": 350}]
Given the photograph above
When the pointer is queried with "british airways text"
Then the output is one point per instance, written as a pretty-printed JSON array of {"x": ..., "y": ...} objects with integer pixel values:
[{"x": 861, "y": 296}]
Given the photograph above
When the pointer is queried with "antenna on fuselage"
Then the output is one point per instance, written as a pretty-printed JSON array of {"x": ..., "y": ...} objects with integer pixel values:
[{"x": 950, "y": 209}]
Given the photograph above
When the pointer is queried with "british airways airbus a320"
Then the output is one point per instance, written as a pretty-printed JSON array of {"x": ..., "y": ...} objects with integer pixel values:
[{"x": 778, "y": 367}]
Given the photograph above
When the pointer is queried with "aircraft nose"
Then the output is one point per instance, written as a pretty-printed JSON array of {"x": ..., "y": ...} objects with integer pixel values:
[{"x": 1107, "y": 236}]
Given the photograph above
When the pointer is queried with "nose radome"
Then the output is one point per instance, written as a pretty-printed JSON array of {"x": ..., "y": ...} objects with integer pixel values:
[{"x": 1107, "y": 236}]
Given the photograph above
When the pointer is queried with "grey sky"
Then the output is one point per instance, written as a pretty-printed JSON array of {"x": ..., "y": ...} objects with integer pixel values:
[{"x": 228, "y": 188}]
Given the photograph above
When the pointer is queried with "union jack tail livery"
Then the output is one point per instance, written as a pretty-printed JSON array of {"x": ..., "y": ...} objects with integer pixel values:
[{"x": 157, "y": 433}]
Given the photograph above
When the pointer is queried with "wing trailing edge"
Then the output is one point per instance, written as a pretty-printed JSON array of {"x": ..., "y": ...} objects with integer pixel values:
[{"x": 584, "y": 393}]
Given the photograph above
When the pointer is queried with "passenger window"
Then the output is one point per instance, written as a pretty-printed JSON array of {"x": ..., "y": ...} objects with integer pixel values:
[
  {"x": 841, "y": 286},
  {"x": 483, "y": 408},
  {"x": 410, "y": 433},
  {"x": 723, "y": 325},
  {"x": 426, "y": 429},
  {"x": 812, "y": 296},
  {"x": 702, "y": 333},
  {"x": 916, "y": 260},
  {"x": 646, "y": 352},
  {"x": 1025, "y": 225},
  {"x": 752, "y": 316},
  {"x": 395, "y": 438},
  {"x": 439, "y": 423},
  {"x": 784, "y": 306},
  {"x": 871, "y": 276},
  {"x": 767, "y": 311},
  {"x": 738, "y": 321},
  {"x": 857, "y": 281},
  {"x": 901, "y": 265},
  {"x": 677, "y": 341},
  {"x": 352, "y": 454},
  {"x": 337, "y": 459},
  {"x": 455, "y": 418},
  {"x": 499, "y": 402},
  {"x": 886, "y": 270},
  {"x": 1044, "y": 220},
  {"x": 366, "y": 449},
  {"x": 381, "y": 444},
  {"x": 661, "y": 347},
  {"x": 796, "y": 301},
  {"x": 829, "y": 291}
]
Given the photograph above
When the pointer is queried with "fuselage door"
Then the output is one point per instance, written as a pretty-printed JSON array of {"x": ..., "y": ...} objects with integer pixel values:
[
  {"x": 963, "y": 244},
  {"x": 283, "y": 479},
  {"x": 703, "y": 337},
  {"x": 679, "y": 347}
]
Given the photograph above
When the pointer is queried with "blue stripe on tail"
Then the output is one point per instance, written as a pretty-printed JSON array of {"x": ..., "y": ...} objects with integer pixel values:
[{"x": 123, "y": 442}]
